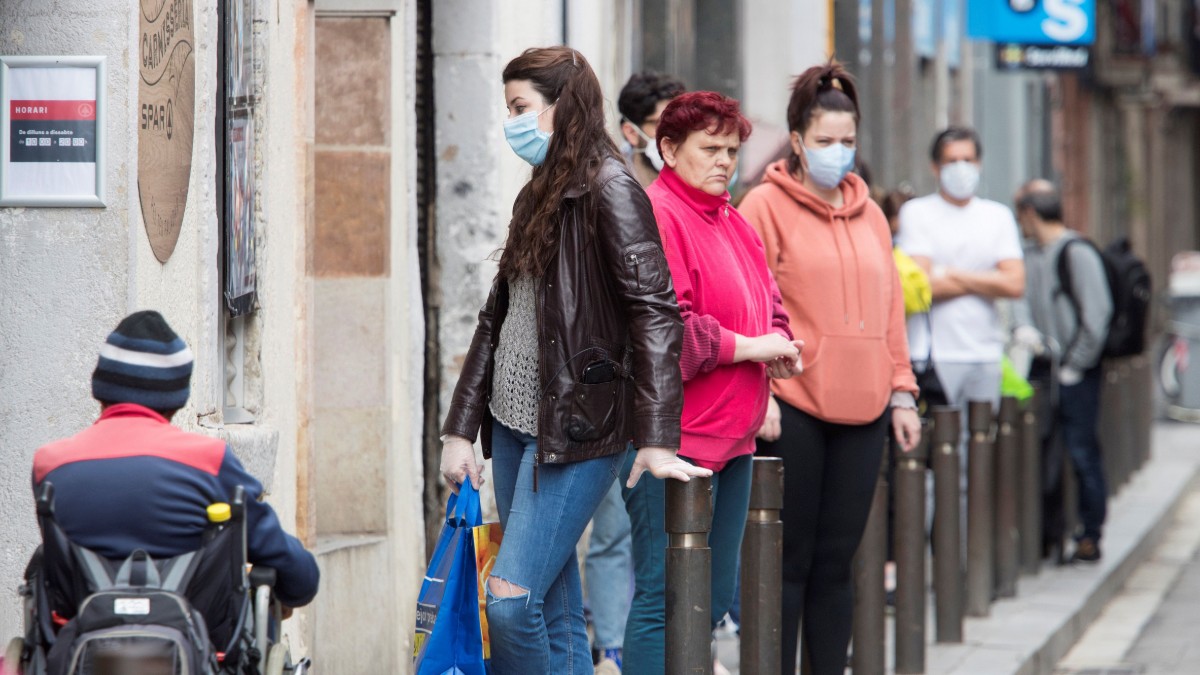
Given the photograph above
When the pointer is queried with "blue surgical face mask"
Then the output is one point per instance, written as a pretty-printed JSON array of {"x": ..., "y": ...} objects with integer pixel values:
[
  {"x": 829, "y": 165},
  {"x": 526, "y": 139}
]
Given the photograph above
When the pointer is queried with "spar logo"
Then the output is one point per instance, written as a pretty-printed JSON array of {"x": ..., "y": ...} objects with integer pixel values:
[{"x": 86, "y": 110}]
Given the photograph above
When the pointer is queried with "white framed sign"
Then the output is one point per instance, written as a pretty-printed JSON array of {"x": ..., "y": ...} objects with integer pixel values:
[{"x": 52, "y": 130}]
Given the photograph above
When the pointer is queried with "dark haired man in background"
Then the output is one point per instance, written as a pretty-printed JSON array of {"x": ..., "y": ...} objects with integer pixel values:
[{"x": 641, "y": 102}]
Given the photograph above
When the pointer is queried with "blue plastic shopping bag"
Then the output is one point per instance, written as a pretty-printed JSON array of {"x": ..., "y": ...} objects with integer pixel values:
[{"x": 449, "y": 637}]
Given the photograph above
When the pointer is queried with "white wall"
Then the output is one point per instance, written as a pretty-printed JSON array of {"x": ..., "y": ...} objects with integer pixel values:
[
  {"x": 64, "y": 275},
  {"x": 780, "y": 39},
  {"x": 67, "y": 276}
]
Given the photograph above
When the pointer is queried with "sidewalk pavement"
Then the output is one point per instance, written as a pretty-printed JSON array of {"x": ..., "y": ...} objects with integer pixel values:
[
  {"x": 1029, "y": 634},
  {"x": 1151, "y": 626}
]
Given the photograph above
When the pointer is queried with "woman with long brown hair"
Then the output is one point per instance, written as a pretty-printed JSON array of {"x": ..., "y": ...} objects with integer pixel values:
[
  {"x": 576, "y": 352},
  {"x": 830, "y": 249}
]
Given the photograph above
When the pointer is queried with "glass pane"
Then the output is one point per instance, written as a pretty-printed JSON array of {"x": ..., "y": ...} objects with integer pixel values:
[
  {"x": 240, "y": 54},
  {"x": 239, "y": 220}
]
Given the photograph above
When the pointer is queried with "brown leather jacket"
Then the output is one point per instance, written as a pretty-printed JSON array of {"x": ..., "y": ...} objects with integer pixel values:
[{"x": 606, "y": 297}]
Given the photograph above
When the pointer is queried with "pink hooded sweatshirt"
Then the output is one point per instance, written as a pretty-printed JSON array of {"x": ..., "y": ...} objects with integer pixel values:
[
  {"x": 835, "y": 269},
  {"x": 723, "y": 288}
]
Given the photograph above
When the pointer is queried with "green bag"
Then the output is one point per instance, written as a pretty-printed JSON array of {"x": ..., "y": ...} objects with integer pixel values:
[{"x": 1011, "y": 382}]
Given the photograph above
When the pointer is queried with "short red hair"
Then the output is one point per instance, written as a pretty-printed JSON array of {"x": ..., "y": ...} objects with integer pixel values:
[{"x": 701, "y": 111}]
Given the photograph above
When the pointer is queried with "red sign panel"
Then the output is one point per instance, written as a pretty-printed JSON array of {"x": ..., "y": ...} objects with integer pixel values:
[{"x": 53, "y": 110}]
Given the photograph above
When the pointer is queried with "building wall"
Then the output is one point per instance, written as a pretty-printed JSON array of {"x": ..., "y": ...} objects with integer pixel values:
[
  {"x": 478, "y": 175},
  {"x": 69, "y": 275},
  {"x": 780, "y": 38},
  {"x": 65, "y": 277},
  {"x": 367, "y": 336}
]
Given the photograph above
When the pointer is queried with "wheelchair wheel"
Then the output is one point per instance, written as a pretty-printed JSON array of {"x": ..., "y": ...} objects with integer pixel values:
[
  {"x": 277, "y": 659},
  {"x": 12, "y": 656}
]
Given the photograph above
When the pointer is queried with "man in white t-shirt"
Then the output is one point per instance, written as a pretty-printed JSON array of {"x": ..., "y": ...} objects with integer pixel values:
[{"x": 971, "y": 248}]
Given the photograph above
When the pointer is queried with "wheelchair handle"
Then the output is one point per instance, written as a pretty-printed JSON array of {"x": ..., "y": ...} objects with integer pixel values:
[
  {"x": 45, "y": 499},
  {"x": 237, "y": 505},
  {"x": 261, "y": 575}
]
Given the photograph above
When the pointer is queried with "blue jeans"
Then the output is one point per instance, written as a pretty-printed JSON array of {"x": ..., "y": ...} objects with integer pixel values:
[
  {"x": 645, "y": 633},
  {"x": 542, "y": 631},
  {"x": 609, "y": 568}
]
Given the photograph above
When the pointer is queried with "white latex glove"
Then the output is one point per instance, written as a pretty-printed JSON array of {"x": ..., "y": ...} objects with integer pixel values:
[
  {"x": 1069, "y": 377},
  {"x": 1030, "y": 338},
  {"x": 770, "y": 429},
  {"x": 458, "y": 463},
  {"x": 663, "y": 463}
]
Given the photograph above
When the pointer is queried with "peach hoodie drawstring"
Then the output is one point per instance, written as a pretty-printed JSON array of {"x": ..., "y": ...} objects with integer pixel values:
[
  {"x": 862, "y": 323},
  {"x": 842, "y": 263}
]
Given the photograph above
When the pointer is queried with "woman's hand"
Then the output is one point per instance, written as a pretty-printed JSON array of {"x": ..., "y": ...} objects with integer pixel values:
[
  {"x": 907, "y": 424},
  {"x": 771, "y": 429},
  {"x": 784, "y": 367},
  {"x": 458, "y": 463},
  {"x": 766, "y": 348},
  {"x": 663, "y": 463}
]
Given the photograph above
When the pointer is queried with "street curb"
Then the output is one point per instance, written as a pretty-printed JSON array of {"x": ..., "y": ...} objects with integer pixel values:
[{"x": 1029, "y": 634}]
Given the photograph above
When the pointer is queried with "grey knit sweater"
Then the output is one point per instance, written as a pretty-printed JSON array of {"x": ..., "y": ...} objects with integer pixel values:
[{"x": 515, "y": 389}]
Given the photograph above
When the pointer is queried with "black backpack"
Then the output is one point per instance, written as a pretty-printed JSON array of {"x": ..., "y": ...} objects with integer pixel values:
[
  {"x": 138, "y": 617},
  {"x": 1130, "y": 287},
  {"x": 138, "y": 610}
]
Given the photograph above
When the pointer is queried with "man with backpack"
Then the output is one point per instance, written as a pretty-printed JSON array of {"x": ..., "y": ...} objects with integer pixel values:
[
  {"x": 1070, "y": 307},
  {"x": 133, "y": 481}
]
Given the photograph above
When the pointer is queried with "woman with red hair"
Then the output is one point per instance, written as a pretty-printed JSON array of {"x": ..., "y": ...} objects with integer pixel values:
[{"x": 735, "y": 335}]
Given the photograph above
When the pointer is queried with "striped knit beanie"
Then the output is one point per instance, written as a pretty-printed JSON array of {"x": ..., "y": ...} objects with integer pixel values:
[{"x": 144, "y": 362}]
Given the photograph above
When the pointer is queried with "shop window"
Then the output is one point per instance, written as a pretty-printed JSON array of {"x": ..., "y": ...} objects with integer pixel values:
[{"x": 237, "y": 100}]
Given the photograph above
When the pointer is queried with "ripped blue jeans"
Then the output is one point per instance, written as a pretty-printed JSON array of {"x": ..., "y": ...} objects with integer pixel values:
[{"x": 543, "y": 630}]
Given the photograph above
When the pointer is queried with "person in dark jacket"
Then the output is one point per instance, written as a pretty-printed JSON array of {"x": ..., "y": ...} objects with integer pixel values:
[
  {"x": 576, "y": 352},
  {"x": 133, "y": 481}
]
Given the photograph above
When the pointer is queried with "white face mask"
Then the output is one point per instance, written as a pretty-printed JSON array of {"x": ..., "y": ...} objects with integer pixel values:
[
  {"x": 960, "y": 180},
  {"x": 651, "y": 149}
]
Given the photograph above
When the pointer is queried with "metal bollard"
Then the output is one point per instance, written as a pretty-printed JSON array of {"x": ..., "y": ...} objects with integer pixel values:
[
  {"x": 1005, "y": 523},
  {"x": 979, "y": 508},
  {"x": 1113, "y": 424},
  {"x": 1142, "y": 386},
  {"x": 1031, "y": 485},
  {"x": 947, "y": 551},
  {"x": 1120, "y": 460},
  {"x": 909, "y": 533},
  {"x": 689, "y": 577},
  {"x": 870, "y": 598},
  {"x": 761, "y": 646}
]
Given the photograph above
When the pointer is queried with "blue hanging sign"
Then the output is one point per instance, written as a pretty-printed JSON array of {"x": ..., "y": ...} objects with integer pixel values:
[
  {"x": 1044, "y": 22},
  {"x": 952, "y": 31},
  {"x": 925, "y": 28}
]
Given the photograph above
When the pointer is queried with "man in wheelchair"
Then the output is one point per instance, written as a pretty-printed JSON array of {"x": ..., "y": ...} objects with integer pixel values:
[{"x": 135, "y": 512}]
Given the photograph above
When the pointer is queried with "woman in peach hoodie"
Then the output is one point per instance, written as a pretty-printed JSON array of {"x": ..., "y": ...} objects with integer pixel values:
[{"x": 830, "y": 249}]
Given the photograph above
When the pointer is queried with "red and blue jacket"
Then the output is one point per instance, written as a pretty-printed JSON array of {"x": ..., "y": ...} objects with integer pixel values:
[{"x": 133, "y": 481}]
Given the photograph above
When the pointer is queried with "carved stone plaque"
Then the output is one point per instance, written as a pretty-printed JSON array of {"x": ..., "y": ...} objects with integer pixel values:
[{"x": 166, "y": 118}]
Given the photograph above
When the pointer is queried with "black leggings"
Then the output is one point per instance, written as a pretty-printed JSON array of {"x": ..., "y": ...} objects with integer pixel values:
[{"x": 829, "y": 480}]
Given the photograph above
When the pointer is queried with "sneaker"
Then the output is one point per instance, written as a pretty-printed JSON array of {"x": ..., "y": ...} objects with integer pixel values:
[{"x": 1086, "y": 550}]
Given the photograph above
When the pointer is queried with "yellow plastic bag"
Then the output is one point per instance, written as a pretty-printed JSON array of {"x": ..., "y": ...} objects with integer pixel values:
[{"x": 918, "y": 295}]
